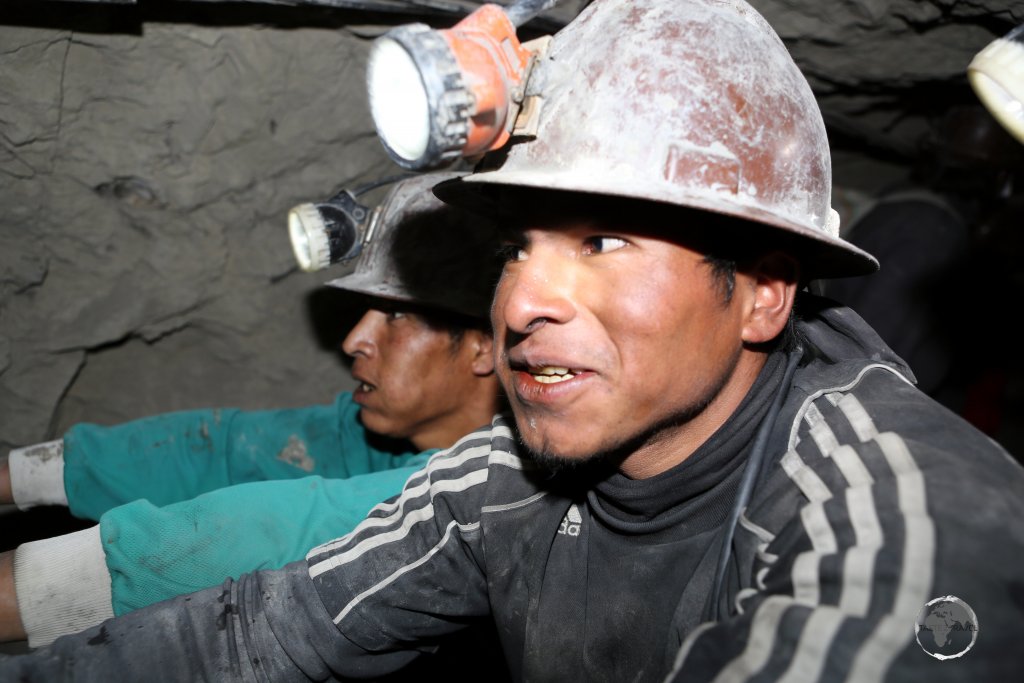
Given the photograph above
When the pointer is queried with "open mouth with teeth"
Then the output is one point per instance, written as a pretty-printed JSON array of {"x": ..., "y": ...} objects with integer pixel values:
[{"x": 551, "y": 375}]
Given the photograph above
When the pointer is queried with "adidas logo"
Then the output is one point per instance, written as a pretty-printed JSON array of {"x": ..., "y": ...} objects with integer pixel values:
[{"x": 570, "y": 525}]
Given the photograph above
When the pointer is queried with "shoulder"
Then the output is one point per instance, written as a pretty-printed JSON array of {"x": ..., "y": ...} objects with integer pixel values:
[
  {"x": 877, "y": 426},
  {"x": 876, "y": 500},
  {"x": 488, "y": 456},
  {"x": 879, "y": 483},
  {"x": 455, "y": 487},
  {"x": 881, "y": 501},
  {"x": 433, "y": 525}
]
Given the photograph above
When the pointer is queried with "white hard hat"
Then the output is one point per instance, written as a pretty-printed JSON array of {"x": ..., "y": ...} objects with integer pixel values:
[{"x": 694, "y": 103}]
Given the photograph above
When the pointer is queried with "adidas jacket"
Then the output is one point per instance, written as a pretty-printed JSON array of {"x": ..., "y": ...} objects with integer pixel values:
[{"x": 874, "y": 501}]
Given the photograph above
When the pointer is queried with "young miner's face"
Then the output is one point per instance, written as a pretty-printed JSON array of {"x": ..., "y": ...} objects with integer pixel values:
[
  {"x": 412, "y": 376},
  {"x": 608, "y": 339}
]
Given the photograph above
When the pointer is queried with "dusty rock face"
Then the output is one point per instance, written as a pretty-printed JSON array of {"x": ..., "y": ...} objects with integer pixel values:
[{"x": 144, "y": 263}]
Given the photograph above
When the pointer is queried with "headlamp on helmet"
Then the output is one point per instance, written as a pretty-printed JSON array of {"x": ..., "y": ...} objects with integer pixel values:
[
  {"x": 436, "y": 96},
  {"x": 327, "y": 232}
]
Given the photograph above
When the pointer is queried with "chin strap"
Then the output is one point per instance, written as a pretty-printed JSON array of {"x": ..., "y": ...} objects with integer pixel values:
[{"x": 751, "y": 473}]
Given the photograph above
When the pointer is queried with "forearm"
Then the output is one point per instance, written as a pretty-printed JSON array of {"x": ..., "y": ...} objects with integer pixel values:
[
  {"x": 164, "y": 459},
  {"x": 11, "y": 627},
  {"x": 267, "y": 626},
  {"x": 230, "y": 532},
  {"x": 174, "y": 457},
  {"x": 6, "y": 494},
  {"x": 141, "y": 554}
]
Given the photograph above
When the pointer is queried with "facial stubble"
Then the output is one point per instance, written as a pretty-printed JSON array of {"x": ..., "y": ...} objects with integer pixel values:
[{"x": 614, "y": 453}]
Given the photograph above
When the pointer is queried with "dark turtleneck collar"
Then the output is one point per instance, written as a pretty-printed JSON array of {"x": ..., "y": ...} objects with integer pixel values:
[{"x": 698, "y": 491}]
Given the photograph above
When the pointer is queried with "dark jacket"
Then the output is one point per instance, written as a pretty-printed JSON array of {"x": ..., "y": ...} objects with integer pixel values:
[{"x": 873, "y": 500}]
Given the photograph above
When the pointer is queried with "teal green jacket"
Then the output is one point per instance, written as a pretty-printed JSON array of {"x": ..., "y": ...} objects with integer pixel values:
[{"x": 186, "y": 499}]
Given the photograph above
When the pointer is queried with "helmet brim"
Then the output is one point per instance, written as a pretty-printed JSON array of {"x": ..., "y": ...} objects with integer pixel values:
[{"x": 820, "y": 255}]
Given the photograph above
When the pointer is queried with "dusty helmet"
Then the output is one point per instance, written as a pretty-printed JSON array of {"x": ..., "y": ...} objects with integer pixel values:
[
  {"x": 694, "y": 103},
  {"x": 421, "y": 251}
]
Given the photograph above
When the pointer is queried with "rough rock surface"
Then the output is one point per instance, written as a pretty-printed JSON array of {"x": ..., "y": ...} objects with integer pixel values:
[{"x": 144, "y": 263}]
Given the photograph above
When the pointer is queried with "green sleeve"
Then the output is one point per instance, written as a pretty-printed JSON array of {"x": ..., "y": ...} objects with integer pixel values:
[
  {"x": 177, "y": 456},
  {"x": 156, "y": 553}
]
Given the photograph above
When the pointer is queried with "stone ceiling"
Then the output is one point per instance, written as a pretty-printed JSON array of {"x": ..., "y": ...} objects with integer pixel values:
[{"x": 881, "y": 68}]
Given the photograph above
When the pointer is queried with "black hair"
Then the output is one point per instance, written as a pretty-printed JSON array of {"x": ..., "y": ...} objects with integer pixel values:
[
  {"x": 723, "y": 272},
  {"x": 434, "y": 317},
  {"x": 455, "y": 324}
]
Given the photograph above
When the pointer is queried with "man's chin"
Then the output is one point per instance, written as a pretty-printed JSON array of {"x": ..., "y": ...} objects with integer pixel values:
[
  {"x": 379, "y": 424},
  {"x": 558, "y": 449},
  {"x": 557, "y": 457}
]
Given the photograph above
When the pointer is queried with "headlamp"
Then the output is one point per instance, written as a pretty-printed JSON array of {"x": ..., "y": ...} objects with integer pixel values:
[
  {"x": 438, "y": 95},
  {"x": 997, "y": 75},
  {"x": 328, "y": 232}
]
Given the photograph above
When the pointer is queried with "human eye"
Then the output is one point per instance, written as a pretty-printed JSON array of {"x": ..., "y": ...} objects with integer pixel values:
[
  {"x": 395, "y": 315},
  {"x": 602, "y": 244},
  {"x": 510, "y": 252}
]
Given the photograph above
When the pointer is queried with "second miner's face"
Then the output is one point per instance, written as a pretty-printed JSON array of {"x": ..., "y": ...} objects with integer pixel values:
[
  {"x": 413, "y": 377},
  {"x": 609, "y": 339}
]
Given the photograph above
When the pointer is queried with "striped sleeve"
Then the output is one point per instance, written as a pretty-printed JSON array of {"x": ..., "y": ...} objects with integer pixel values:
[
  {"x": 360, "y": 607},
  {"x": 877, "y": 529},
  {"x": 413, "y": 570}
]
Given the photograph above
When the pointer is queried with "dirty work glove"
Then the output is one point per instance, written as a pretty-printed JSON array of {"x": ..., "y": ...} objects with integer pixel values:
[{"x": 37, "y": 475}]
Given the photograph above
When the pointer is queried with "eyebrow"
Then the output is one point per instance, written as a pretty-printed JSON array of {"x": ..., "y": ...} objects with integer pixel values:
[{"x": 512, "y": 233}]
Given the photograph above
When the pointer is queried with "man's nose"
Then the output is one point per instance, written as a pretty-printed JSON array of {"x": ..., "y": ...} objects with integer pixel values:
[
  {"x": 361, "y": 340},
  {"x": 539, "y": 290}
]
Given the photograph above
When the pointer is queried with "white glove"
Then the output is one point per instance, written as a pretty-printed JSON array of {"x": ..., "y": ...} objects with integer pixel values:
[{"x": 37, "y": 475}]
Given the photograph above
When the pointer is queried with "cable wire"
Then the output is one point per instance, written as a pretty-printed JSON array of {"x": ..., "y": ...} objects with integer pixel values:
[{"x": 752, "y": 472}]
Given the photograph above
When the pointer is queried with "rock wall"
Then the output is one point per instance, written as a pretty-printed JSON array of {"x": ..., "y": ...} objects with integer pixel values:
[{"x": 146, "y": 177}]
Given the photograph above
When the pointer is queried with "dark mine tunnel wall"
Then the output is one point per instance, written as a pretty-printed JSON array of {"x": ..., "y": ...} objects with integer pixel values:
[{"x": 145, "y": 180}]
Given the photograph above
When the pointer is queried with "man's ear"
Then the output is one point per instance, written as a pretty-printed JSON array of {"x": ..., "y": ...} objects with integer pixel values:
[
  {"x": 773, "y": 279},
  {"x": 481, "y": 346}
]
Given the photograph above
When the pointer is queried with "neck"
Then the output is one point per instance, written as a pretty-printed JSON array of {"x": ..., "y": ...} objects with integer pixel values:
[
  {"x": 673, "y": 444},
  {"x": 475, "y": 411}
]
